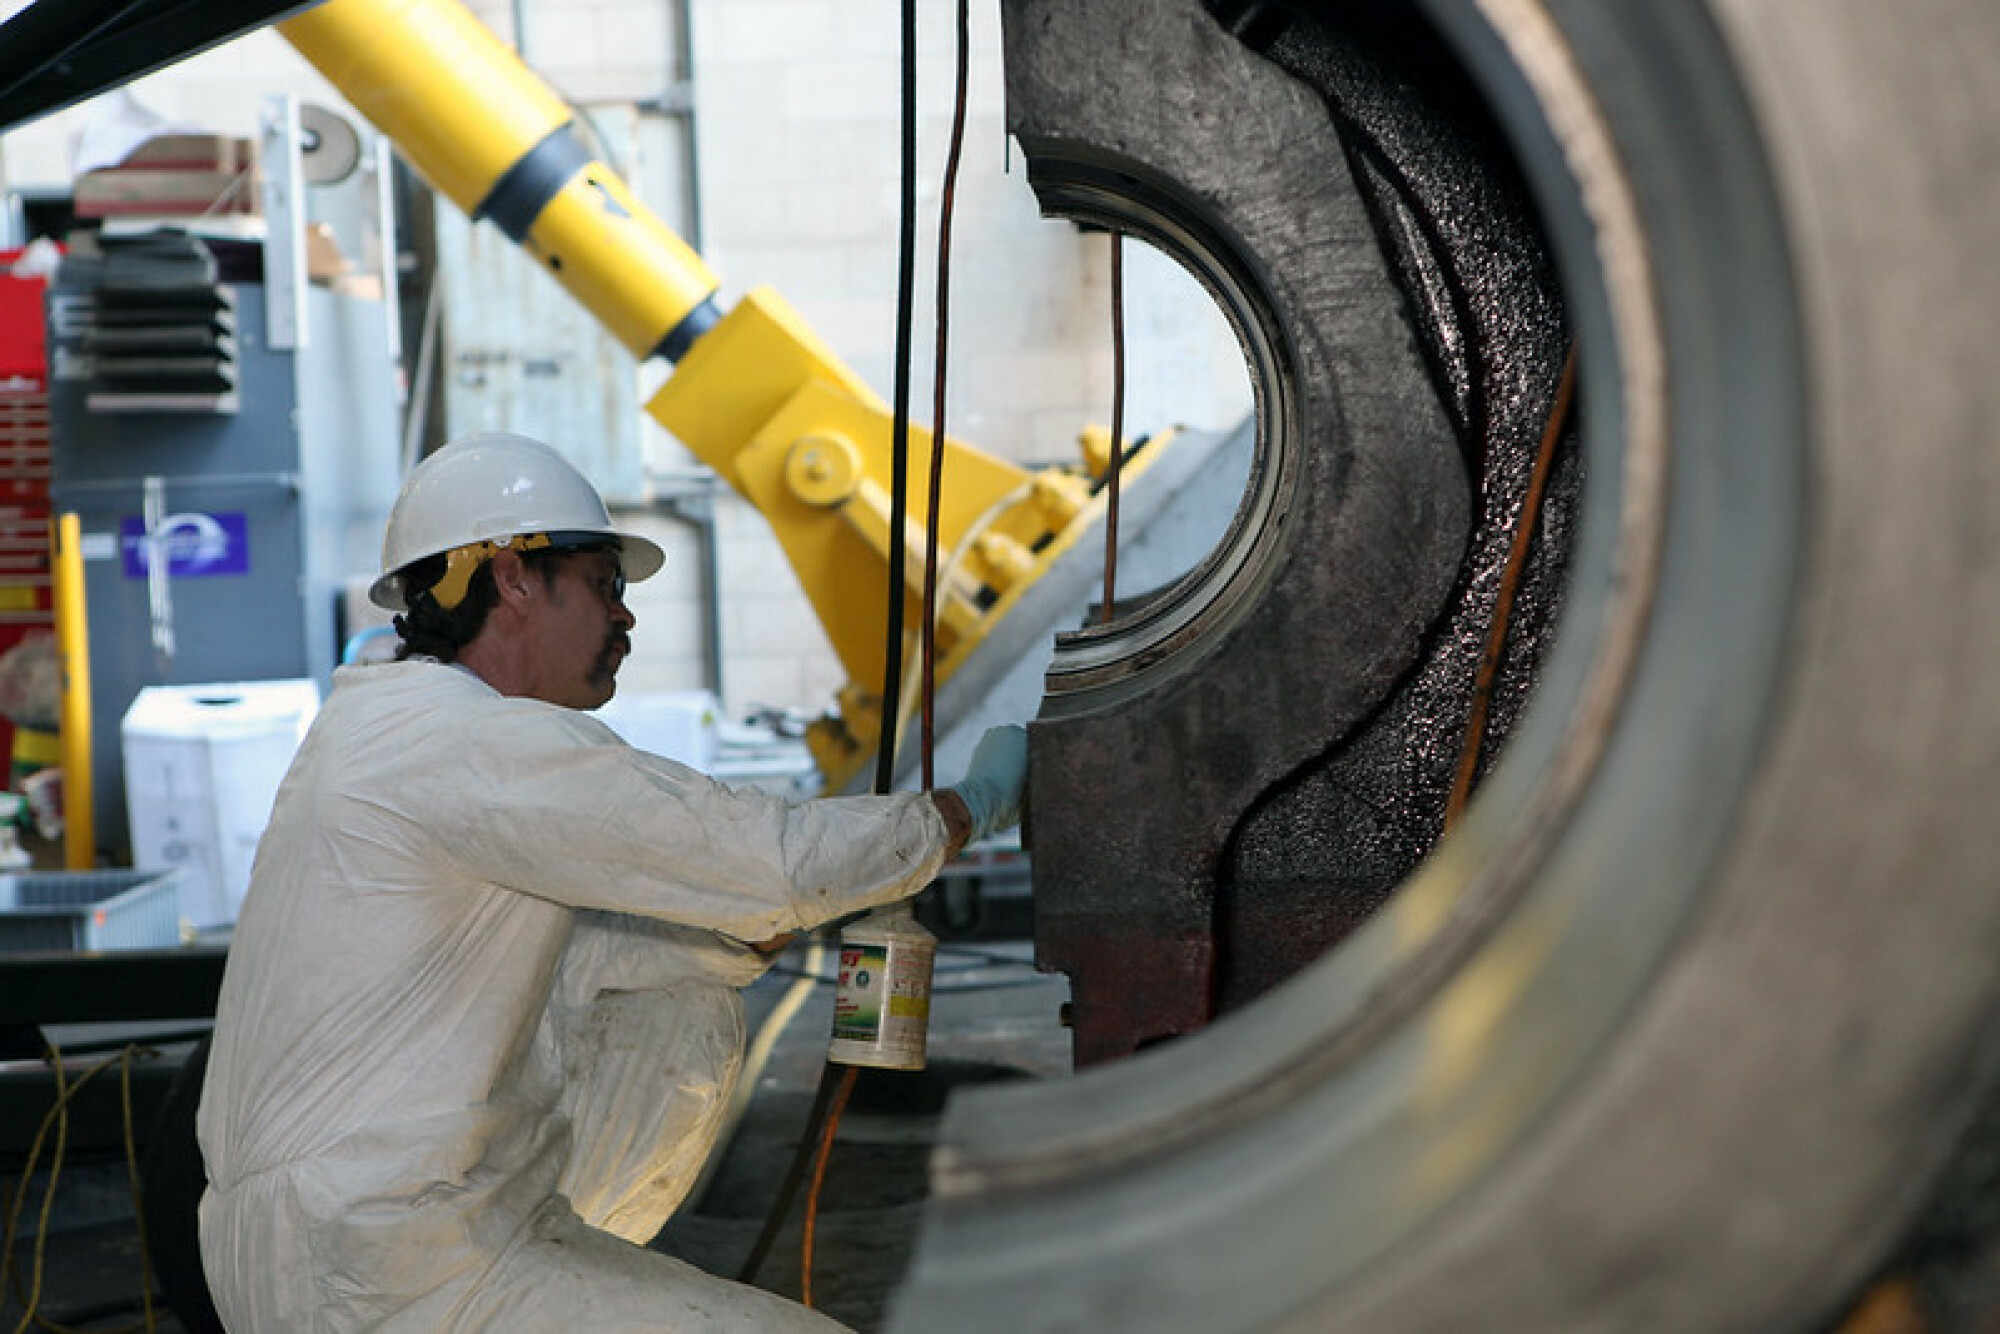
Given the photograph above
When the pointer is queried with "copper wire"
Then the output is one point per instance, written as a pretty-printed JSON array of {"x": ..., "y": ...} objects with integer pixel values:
[
  {"x": 840, "y": 1096},
  {"x": 1503, "y": 605},
  {"x": 1117, "y": 424}
]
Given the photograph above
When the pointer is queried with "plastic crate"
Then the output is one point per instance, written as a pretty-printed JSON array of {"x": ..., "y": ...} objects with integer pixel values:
[{"x": 89, "y": 910}]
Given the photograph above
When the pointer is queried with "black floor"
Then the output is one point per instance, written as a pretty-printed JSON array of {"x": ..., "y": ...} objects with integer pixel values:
[{"x": 993, "y": 1017}]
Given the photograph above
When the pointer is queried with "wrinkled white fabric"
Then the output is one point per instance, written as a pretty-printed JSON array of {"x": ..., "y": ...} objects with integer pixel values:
[{"x": 480, "y": 1016}]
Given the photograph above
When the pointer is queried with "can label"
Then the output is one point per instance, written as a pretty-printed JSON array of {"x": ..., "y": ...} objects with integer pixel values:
[
  {"x": 857, "y": 1006},
  {"x": 881, "y": 1011}
]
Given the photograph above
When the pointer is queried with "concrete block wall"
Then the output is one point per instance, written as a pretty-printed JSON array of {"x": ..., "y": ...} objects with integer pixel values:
[{"x": 669, "y": 647}]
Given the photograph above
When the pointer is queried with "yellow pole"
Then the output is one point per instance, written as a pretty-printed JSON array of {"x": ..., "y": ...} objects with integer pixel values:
[{"x": 73, "y": 651}]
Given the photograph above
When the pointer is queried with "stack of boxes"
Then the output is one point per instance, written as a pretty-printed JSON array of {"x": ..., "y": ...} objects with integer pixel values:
[{"x": 175, "y": 175}]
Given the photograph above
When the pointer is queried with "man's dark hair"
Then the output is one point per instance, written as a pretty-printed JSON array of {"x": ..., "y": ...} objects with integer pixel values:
[{"x": 431, "y": 631}]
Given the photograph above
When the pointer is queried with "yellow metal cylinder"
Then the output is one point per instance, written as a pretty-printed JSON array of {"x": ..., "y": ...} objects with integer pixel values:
[
  {"x": 625, "y": 265},
  {"x": 464, "y": 110},
  {"x": 73, "y": 652},
  {"x": 1095, "y": 442},
  {"x": 459, "y": 104},
  {"x": 1060, "y": 497}
]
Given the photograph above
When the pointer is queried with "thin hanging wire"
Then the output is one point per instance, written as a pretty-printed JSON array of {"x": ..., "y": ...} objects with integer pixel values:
[
  {"x": 938, "y": 357},
  {"x": 1117, "y": 424},
  {"x": 842, "y": 1092}
]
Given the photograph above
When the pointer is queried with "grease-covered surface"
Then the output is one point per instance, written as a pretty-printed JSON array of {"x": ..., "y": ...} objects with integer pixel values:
[
  {"x": 1241, "y": 807},
  {"x": 1324, "y": 849}
]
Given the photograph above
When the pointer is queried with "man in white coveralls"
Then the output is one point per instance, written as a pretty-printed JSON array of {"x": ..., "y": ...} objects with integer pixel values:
[{"x": 481, "y": 1010}]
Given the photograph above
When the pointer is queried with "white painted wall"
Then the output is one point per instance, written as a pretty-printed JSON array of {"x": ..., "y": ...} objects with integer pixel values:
[{"x": 795, "y": 125}]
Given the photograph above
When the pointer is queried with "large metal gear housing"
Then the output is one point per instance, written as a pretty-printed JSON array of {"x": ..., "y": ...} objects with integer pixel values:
[
  {"x": 1265, "y": 775},
  {"x": 1686, "y": 1024}
]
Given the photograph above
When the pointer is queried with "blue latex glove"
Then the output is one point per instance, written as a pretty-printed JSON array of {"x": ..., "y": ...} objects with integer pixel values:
[{"x": 996, "y": 779}]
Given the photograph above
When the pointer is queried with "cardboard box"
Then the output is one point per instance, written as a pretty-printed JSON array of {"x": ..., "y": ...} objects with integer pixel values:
[
  {"x": 202, "y": 767},
  {"x": 167, "y": 192},
  {"x": 193, "y": 152}
]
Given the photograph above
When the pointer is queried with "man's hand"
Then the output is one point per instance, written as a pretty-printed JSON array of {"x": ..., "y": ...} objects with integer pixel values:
[
  {"x": 957, "y": 820},
  {"x": 996, "y": 781}
]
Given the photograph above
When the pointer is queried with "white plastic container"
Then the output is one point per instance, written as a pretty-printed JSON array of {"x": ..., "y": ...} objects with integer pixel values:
[
  {"x": 202, "y": 766},
  {"x": 679, "y": 724}
]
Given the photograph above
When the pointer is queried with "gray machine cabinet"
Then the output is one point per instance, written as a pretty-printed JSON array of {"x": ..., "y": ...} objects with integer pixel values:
[{"x": 264, "y": 513}]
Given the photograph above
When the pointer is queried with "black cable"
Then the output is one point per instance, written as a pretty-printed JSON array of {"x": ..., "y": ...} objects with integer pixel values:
[
  {"x": 788, "y": 1189},
  {"x": 899, "y": 485},
  {"x": 892, "y": 673},
  {"x": 899, "y": 440}
]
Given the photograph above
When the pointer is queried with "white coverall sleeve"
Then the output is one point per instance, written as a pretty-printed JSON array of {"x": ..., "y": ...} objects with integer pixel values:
[
  {"x": 619, "y": 952},
  {"x": 552, "y": 803}
]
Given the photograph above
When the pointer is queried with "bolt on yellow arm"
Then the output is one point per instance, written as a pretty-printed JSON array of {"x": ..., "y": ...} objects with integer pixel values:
[{"x": 755, "y": 394}]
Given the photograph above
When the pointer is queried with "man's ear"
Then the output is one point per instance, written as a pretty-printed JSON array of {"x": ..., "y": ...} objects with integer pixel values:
[{"x": 512, "y": 579}]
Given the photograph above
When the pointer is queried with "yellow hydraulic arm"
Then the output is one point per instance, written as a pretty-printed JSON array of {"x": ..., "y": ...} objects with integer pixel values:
[{"x": 755, "y": 394}]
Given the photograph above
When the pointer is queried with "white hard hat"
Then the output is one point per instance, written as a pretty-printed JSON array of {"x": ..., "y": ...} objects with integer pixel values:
[{"x": 493, "y": 487}]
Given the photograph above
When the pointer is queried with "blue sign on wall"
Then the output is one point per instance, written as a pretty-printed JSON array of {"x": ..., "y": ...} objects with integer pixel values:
[{"x": 196, "y": 545}]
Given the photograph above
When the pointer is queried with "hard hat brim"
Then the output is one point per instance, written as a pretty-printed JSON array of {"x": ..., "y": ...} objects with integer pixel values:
[{"x": 640, "y": 558}]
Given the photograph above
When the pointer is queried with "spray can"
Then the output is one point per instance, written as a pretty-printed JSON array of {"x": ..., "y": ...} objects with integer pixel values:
[{"x": 882, "y": 1009}]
